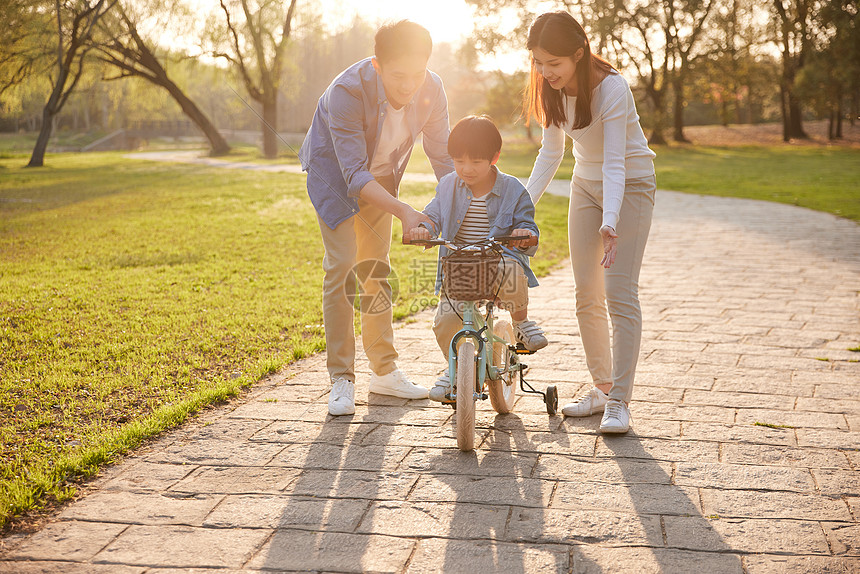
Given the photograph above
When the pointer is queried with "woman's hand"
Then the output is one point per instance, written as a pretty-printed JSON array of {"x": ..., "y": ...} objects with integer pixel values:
[
  {"x": 610, "y": 246},
  {"x": 520, "y": 233}
]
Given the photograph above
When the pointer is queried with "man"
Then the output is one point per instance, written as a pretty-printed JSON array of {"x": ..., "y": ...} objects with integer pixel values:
[{"x": 355, "y": 154}]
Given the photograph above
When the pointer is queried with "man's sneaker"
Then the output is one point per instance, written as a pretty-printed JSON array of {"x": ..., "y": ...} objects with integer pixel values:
[
  {"x": 588, "y": 404},
  {"x": 437, "y": 393},
  {"x": 616, "y": 417},
  {"x": 395, "y": 384},
  {"x": 530, "y": 335},
  {"x": 341, "y": 399}
]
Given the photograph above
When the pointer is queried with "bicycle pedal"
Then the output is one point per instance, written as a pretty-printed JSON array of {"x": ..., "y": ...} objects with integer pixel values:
[{"x": 521, "y": 350}]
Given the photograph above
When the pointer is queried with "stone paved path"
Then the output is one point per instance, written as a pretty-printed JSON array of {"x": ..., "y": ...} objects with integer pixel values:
[{"x": 750, "y": 310}]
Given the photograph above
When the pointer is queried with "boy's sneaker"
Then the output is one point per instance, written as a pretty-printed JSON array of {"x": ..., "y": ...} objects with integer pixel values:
[
  {"x": 437, "y": 393},
  {"x": 616, "y": 417},
  {"x": 395, "y": 384},
  {"x": 588, "y": 404},
  {"x": 341, "y": 399},
  {"x": 530, "y": 335}
]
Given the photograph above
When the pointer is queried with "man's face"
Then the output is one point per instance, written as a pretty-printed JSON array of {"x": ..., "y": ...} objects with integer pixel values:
[{"x": 401, "y": 78}]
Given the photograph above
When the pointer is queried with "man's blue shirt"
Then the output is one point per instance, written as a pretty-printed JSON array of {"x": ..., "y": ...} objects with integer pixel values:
[
  {"x": 509, "y": 207},
  {"x": 339, "y": 146}
]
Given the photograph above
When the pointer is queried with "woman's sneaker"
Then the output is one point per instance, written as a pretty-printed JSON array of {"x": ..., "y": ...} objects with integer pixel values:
[
  {"x": 440, "y": 389},
  {"x": 588, "y": 404},
  {"x": 616, "y": 417},
  {"x": 341, "y": 399},
  {"x": 530, "y": 335}
]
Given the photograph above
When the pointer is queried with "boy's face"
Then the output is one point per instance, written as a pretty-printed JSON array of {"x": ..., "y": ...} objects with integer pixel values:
[
  {"x": 401, "y": 78},
  {"x": 474, "y": 171}
]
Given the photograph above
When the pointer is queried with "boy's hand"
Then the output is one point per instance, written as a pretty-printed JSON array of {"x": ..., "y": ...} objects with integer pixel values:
[
  {"x": 521, "y": 233},
  {"x": 416, "y": 233},
  {"x": 411, "y": 219}
]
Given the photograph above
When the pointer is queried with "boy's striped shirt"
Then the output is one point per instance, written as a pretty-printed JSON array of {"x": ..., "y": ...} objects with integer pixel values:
[{"x": 476, "y": 223}]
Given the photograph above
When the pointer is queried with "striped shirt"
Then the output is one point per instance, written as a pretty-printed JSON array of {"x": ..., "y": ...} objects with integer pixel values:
[{"x": 476, "y": 223}]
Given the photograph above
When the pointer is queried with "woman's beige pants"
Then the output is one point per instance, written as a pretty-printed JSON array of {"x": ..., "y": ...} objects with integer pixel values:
[{"x": 617, "y": 287}]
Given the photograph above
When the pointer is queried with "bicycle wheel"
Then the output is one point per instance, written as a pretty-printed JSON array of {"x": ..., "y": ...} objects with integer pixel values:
[
  {"x": 466, "y": 397},
  {"x": 503, "y": 391}
]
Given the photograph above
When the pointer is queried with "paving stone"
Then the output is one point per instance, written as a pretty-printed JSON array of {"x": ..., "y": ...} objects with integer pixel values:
[
  {"x": 613, "y": 471},
  {"x": 60, "y": 567},
  {"x": 263, "y": 410},
  {"x": 743, "y": 476},
  {"x": 214, "y": 452},
  {"x": 67, "y": 540},
  {"x": 783, "y": 456},
  {"x": 672, "y": 380},
  {"x": 439, "y": 519},
  {"x": 290, "y": 432},
  {"x": 442, "y": 555},
  {"x": 638, "y": 498},
  {"x": 739, "y": 400},
  {"x": 228, "y": 429},
  {"x": 732, "y": 433},
  {"x": 844, "y": 537},
  {"x": 792, "y": 418},
  {"x": 650, "y": 394},
  {"x": 763, "y": 564},
  {"x": 280, "y": 511},
  {"x": 183, "y": 546},
  {"x": 147, "y": 476},
  {"x": 656, "y": 449},
  {"x": 745, "y": 535},
  {"x": 332, "y": 552},
  {"x": 639, "y": 427},
  {"x": 142, "y": 508},
  {"x": 434, "y": 415},
  {"x": 594, "y": 559},
  {"x": 566, "y": 526},
  {"x": 768, "y": 385},
  {"x": 683, "y": 413},
  {"x": 770, "y": 504},
  {"x": 837, "y": 482},
  {"x": 353, "y": 484},
  {"x": 435, "y": 437},
  {"x": 536, "y": 442},
  {"x": 480, "y": 489},
  {"x": 481, "y": 463},
  {"x": 237, "y": 480},
  {"x": 349, "y": 457},
  {"x": 828, "y": 438}
]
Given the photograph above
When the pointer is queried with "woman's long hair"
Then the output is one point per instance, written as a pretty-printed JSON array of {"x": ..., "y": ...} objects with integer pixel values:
[{"x": 561, "y": 35}]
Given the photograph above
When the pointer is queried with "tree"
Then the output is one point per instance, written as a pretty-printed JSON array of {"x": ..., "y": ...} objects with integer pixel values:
[
  {"x": 75, "y": 21},
  {"x": 256, "y": 45},
  {"x": 793, "y": 39},
  {"x": 123, "y": 46}
]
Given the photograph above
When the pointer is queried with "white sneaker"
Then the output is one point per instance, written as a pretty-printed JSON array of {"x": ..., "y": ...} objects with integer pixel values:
[
  {"x": 588, "y": 404},
  {"x": 440, "y": 389},
  {"x": 530, "y": 335},
  {"x": 616, "y": 417},
  {"x": 341, "y": 399},
  {"x": 395, "y": 384}
]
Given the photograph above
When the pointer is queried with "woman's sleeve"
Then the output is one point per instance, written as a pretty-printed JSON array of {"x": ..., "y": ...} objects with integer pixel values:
[
  {"x": 548, "y": 160},
  {"x": 614, "y": 153}
]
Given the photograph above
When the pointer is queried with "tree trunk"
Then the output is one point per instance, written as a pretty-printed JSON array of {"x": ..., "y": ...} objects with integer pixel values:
[
  {"x": 217, "y": 142},
  {"x": 795, "y": 118},
  {"x": 831, "y": 125},
  {"x": 657, "y": 136},
  {"x": 37, "y": 159},
  {"x": 678, "y": 120},
  {"x": 839, "y": 115},
  {"x": 270, "y": 126}
]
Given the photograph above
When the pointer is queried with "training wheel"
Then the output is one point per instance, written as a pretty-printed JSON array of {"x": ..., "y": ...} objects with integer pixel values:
[{"x": 551, "y": 399}]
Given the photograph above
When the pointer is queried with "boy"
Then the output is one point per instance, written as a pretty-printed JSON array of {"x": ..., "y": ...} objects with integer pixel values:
[
  {"x": 476, "y": 202},
  {"x": 355, "y": 154}
]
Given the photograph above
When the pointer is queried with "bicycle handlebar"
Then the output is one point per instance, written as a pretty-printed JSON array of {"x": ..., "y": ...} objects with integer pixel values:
[{"x": 529, "y": 240}]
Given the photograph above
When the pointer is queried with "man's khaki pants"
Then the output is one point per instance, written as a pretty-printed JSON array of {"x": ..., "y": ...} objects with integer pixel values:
[
  {"x": 356, "y": 269},
  {"x": 617, "y": 287}
]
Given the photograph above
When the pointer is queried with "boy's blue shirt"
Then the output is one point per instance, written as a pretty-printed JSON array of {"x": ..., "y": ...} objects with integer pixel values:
[
  {"x": 339, "y": 146},
  {"x": 509, "y": 207}
]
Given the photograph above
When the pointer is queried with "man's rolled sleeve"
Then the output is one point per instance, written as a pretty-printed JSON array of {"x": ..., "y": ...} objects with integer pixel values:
[{"x": 347, "y": 134}]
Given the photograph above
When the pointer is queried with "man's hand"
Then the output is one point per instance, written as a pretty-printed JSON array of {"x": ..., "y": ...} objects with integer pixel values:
[
  {"x": 610, "y": 246},
  {"x": 415, "y": 234},
  {"x": 412, "y": 219},
  {"x": 520, "y": 233}
]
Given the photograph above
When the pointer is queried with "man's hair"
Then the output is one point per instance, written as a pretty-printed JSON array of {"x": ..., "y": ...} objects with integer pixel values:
[
  {"x": 403, "y": 38},
  {"x": 475, "y": 137}
]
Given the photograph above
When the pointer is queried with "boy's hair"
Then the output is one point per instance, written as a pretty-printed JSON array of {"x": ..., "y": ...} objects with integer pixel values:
[
  {"x": 403, "y": 38},
  {"x": 475, "y": 137}
]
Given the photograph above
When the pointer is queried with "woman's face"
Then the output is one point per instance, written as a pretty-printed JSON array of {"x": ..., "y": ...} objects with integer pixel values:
[{"x": 559, "y": 71}]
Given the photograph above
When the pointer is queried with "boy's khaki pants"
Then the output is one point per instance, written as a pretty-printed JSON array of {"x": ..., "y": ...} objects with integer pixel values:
[
  {"x": 513, "y": 295},
  {"x": 357, "y": 249},
  {"x": 617, "y": 286}
]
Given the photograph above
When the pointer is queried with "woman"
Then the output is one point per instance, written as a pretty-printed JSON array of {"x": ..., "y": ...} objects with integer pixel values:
[{"x": 572, "y": 91}]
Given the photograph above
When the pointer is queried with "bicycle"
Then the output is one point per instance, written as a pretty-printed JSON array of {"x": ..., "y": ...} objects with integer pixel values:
[{"x": 484, "y": 356}]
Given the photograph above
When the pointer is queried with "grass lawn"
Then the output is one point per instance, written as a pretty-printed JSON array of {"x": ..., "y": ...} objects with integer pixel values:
[{"x": 133, "y": 293}]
